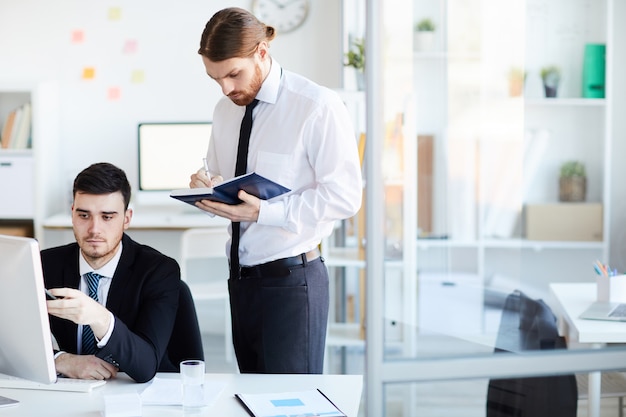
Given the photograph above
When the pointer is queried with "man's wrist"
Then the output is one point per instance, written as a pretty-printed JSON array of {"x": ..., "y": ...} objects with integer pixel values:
[{"x": 58, "y": 353}]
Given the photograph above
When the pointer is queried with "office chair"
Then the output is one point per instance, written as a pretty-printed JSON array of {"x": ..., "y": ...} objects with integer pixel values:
[
  {"x": 186, "y": 340},
  {"x": 528, "y": 324},
  {"x": 208, "y": 243}
]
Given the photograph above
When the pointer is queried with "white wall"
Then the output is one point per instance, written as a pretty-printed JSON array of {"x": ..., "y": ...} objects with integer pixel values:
[{"x": 36, "y": 43}]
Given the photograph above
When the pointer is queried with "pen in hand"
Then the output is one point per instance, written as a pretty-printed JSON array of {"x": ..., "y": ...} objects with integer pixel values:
[{"x": 206, "y": 169}]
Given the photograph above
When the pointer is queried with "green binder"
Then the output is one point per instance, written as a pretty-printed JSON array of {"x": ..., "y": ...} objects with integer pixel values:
[{"x": 594, "y": 70}]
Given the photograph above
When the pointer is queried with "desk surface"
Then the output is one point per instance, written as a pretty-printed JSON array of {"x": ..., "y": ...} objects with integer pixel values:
[
  {"x": 343, "y": 390},
  {"x": 152, "y": 219},
  {"x": 574, "y": 298}
]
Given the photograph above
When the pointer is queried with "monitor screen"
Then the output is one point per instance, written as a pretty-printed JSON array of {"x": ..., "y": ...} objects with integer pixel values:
[
  {"x": 168, "y": 154},
  {"x": 25, "y": 338}
]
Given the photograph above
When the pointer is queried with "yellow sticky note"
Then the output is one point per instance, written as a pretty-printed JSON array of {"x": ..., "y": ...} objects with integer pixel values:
[
  {"x": 115, "y": 13},
  {"x": 114, "y": 93},
  {"x": 78, "y": 36},
  {"x": 89, "y": 73},
  {"x": 137, "y": 76}
]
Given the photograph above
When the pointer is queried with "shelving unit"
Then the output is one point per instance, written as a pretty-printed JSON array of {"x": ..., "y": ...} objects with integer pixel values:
[
  {"x": 29, "y": 178},
  {"x": 487, "y": 161}
]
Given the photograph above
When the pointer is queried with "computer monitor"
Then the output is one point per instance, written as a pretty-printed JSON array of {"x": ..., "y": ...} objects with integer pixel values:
[
  {"x": 25, "y": 337},
  {"x": 168, "y": 153}
]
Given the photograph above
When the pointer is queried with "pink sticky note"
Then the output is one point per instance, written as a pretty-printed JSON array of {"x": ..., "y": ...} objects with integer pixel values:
[
  {"x": 78, "y": 36},
  {"x": 114, "y": 93},
  {"x": 130, "y": 46}
]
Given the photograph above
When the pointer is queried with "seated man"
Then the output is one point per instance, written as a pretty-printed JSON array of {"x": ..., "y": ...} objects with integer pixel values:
[{"x": 117, "y": 299}]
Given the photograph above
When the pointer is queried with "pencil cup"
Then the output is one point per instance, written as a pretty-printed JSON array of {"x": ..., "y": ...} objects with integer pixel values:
[
  {"x": 192, "y": 378},
  {"x": 612, "y": 289}
]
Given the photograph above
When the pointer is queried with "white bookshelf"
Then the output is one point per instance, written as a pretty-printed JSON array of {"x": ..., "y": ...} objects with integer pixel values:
[{"x": 29, "y": 178}]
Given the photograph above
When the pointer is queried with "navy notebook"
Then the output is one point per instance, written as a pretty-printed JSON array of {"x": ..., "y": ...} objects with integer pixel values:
[{"x": 226, "y": 192}]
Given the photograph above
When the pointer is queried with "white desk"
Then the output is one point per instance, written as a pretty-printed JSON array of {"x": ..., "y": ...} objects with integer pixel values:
[
  {"x": 343, "y": 390},
  {"x": 159, "y": 228},
  {"x": 571, "y": 300},
  {"x": 152, "y": 218}
]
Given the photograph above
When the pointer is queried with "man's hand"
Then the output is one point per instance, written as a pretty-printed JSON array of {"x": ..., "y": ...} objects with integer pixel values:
[
  {"x": 201, "y": 180},
  {"x": 84, "y": 367},
  {"x": 78, "y": 307},
  {"x": 248, "y": 211}
]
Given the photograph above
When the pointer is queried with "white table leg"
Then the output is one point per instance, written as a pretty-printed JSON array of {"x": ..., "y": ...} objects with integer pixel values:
[{"x": 595, "y": 386}]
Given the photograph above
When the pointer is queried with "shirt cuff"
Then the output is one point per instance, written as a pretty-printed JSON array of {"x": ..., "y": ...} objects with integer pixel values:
[
  {"x": 103, "y": 342},
  {"x": 59, "y": 353},
  {"x": 273, "y": 214}
]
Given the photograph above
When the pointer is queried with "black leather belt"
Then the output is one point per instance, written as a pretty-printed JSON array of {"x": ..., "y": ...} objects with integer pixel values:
[{"x": 279, "y": 267}]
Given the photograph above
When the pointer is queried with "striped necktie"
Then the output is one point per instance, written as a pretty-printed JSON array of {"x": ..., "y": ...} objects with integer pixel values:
[
  {"x": 240, "y": 169},
  {"x": 89, "y": 341}
]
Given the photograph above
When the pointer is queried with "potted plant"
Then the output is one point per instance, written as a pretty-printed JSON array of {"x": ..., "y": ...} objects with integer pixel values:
[
  {"x": 424, "y": 35},
  {"x": 551, "y": 76},
  {"x": 355, "y": 58},
  {"x": 572, "y": 181},
  {"x": 517, "y": 76}
]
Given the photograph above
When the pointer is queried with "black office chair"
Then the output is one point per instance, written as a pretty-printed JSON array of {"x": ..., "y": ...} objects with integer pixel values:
[
  {"x": 186, "y": 340},
  {"x": 528, "y": 324}
]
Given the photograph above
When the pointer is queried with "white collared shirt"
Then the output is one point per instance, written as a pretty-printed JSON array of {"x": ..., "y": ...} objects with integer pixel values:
[
  {"x": 303, "y": 138},
  {"x": 104, "y": 285}
]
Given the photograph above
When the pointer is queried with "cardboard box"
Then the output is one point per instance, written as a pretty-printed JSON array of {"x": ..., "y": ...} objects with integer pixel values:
[{"x": 564, "y": 221}]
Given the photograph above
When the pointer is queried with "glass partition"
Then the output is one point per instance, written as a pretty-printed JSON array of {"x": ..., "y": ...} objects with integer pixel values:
[{"x": 479, "y": 258}]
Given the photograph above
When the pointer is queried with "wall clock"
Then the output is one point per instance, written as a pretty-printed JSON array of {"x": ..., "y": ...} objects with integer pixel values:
[{"x": 284, "y": 15}]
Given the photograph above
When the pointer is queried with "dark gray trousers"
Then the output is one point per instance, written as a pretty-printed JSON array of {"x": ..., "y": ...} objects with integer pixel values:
[{"x": 279, "y": 323}]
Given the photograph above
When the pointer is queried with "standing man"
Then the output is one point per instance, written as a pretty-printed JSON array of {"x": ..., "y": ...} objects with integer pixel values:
[
  {"x": 301, "y": 137},
  {"x": 128, "y": 325}
]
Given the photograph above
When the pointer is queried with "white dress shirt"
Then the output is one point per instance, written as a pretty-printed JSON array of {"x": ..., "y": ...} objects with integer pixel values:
[{"x": 303, "y": 138}]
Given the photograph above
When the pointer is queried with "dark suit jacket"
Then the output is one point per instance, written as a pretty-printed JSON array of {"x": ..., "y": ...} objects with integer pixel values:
[{"x": 143, "y": 297}]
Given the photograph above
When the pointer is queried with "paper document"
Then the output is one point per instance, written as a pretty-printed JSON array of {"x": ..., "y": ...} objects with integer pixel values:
[
  {"x": 169, "y": 391},
  {"x": 226, "y": 192},
  {"x": 300, "y": 403},
  {"x": 7, "y": 402}
]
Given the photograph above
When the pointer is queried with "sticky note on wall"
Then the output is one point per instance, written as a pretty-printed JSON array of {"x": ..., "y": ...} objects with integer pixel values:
[
  {"x": 78, "y": 36},
  {"x": 130, "y": 46},
  {"x": 115, "y": 13},
  {"x": 114, "y": 93},
  {"x": 89, "y": 73},
  {"x": 137, "y": 77}
]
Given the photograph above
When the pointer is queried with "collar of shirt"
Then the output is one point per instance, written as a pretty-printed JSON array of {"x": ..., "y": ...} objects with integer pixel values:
[
  {"x": 269, "y": 89},
  {"x": 106, "y": 271}
]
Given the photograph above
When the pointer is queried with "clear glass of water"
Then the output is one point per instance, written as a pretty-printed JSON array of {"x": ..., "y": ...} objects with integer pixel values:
[{"x": 192, "y": 378}]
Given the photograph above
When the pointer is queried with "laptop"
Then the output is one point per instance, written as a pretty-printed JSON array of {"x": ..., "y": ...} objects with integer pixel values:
[{"x": 604, "y": 310}]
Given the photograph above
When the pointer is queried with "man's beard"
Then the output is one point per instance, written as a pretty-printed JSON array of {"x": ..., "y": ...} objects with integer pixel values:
[{"x": 249, "y": 94}]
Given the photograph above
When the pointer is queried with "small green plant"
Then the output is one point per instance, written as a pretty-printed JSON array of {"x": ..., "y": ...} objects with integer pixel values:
[
  {"x": 551, "y": 75},
  {"x": 425, "y": 25},
  {"x": 573, "y": 169},
  {"x": 517, "y": 73},
  {"x": 356, "y": 55},
  {"x": 517, "y": 77}
]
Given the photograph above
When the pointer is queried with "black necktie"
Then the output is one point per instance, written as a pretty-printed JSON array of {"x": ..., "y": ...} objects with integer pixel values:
[
  {"x": 240, "y": 169},
  {"x": 89, "y": 341}
]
